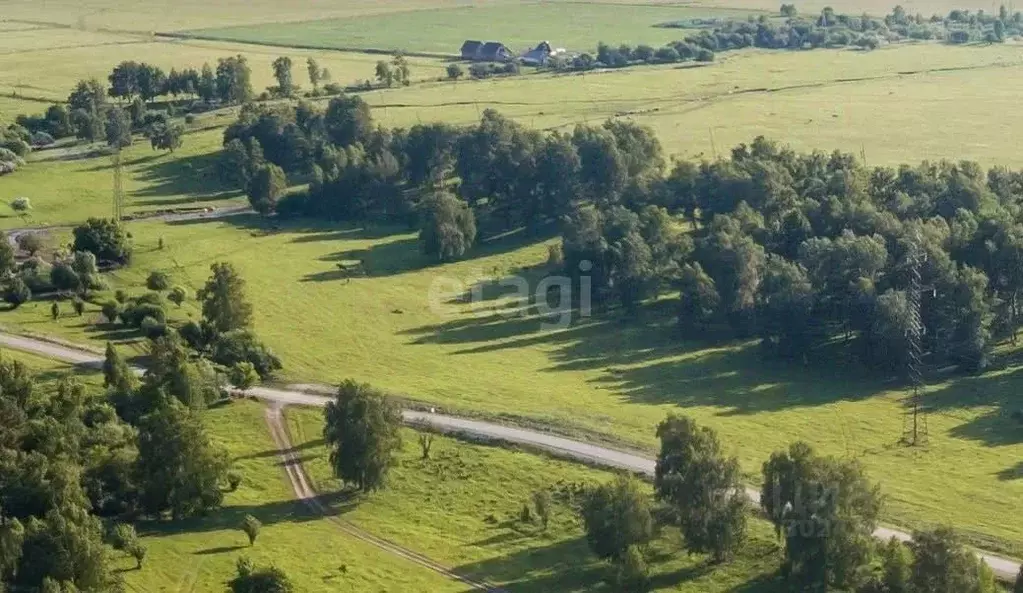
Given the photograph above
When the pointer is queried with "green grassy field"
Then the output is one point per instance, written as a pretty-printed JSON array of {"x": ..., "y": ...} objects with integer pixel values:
[
  {"x": 574, "y": 26},
  {"x": 600, "y": 374},
  {"x": 461, "y": 506},
  {"x": 69, "y": 191},
  {"x": 199, "y": 555},
  {"x": 822, "y": 99}
]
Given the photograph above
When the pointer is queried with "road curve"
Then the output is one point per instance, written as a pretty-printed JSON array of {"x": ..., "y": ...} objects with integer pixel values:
[{"x": 1004, "y": 568}]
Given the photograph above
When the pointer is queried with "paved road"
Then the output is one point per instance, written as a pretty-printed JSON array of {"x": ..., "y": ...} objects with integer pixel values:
[{"x": 1004, "y": 568}]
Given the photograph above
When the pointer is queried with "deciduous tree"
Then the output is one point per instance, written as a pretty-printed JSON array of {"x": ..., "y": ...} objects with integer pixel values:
[
  {"x": 224, "y": 304},
  {"x": 702, "y": 487},
  {"x": 616, "y": 516},
  {"x": 361, "y": 431}
]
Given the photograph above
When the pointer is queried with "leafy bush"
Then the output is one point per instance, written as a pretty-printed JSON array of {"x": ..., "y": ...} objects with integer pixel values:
[
  {"x": 152, "y": 328},
  {"x": 42, "y": 139},
  {"x": 135, "y": 313},
  {"x": 243, "y": 346},
  {"x": 17, "y": 293},
  {"x": 158, "y": 280},
  {"x": 104, "y": 238}
]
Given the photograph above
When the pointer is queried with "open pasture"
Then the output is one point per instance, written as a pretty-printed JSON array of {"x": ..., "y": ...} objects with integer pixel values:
[
  {"x": 883, "y": 103},
  {"x": 599, "y": 375},
  {"x": 576, "y": 26},
  {"x": 157, "y": 15}
]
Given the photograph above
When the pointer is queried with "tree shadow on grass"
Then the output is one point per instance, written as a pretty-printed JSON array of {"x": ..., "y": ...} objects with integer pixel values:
[
  {"x": 996, "y": 393},
  {"x": 1012, "y": 473},
  {"x": 277, "y": 453},
  {"x": 554, "y": 567},
  {"x": 270, "y": 513},
  {"x": 218, "y": 550},
  {"x": 382, "y": 259},
  {"x": 187, "y": 179}
]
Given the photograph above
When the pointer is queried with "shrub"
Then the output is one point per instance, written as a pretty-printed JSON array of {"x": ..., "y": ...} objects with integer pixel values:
[
  {"x": 122, "y": 536},
  {"x": 177, "y": 295},
  {"x": 36, "y": 274},
  {"x": 704, "y": 55},
  {"x": 63, "y": 277},
  {"x": 333, "y": 88},
  {"x": 251, "y": 527},
  {"x": 234, "y": 480},
  {"x": 454, "y": 71},
  {"x": 30, "y": 243},
  {"x": 106, "y": 239},
  {"x": 111, "y": 309},
  {"x": 242, "y": 345},
  {"x": 42, "y": 139},
  {"x": 135, "y": 313},
  {"x": 17, "y": 293},
  {"x": 152, "y": 328},
  {"x": 667, "y": 55},
  {"x": 190, "y": 119},
  {"x": 158, "y": 280},
  {"x": 631, "y": 574}
]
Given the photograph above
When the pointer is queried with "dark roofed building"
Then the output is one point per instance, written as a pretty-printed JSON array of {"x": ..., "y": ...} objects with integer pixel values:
[
  {"x": 539, "y": 55},
  {"x": 471, "y": 50},
  {"x": 493, "y": 51}
]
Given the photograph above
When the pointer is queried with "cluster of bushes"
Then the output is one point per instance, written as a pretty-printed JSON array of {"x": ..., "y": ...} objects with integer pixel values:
[
  {"x": 73, "y": 272},
  {"x": 15, "y": 145}
]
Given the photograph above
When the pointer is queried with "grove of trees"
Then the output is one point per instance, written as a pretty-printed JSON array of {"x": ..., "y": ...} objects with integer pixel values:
[
  {"x": 795, "y": 249},
  {"x": 824, "y": 509}
]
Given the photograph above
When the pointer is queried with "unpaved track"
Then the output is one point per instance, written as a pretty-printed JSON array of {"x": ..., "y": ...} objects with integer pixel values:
[
  {"x": 1004, "y": 568},
  {"x": 304, "y": 492}
]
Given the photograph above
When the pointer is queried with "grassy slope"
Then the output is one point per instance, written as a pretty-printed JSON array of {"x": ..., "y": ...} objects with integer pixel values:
[
  {"x": 602, "y": 375},
  {"x": 573, "y": 26},
  {"x": 199, "y": 555},
  {"x": 439, "y": 506}
]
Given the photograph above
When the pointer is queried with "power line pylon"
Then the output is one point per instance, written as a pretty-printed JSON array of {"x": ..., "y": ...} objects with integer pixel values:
[
  {"x": 914, "y": 419},
  {"x": 118, "y": 186}
]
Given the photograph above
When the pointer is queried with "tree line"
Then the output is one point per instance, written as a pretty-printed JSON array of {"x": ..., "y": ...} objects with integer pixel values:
[
  {"x": 824, "y": 509},
  {"x": 827, "y": 29},
  {"x": 795, "y": 249}
]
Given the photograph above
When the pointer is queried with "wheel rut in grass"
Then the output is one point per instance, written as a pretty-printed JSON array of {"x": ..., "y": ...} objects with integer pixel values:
[{"x": 304, "y": 491}]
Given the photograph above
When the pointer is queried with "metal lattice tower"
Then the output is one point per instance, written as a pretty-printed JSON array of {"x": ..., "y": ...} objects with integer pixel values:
[
  {"x": 914, "y": 421},
  {"x": 118, "y": 186}
]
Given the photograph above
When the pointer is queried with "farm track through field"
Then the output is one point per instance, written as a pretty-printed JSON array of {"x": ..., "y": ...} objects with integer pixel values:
[{"x": 301, "y": 484}]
